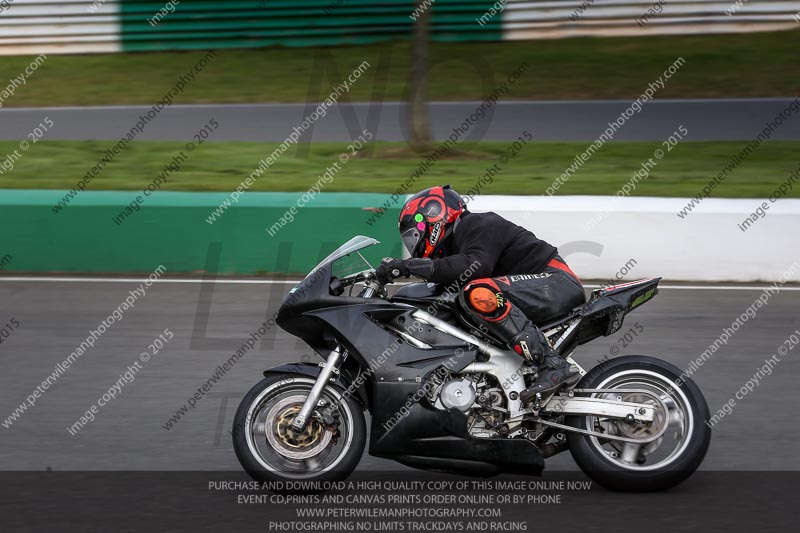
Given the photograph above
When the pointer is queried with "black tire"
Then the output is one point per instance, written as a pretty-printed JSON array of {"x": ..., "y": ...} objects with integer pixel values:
[
  {"x": 293, "y": 386},
  {"x": 608, "y": 472}
]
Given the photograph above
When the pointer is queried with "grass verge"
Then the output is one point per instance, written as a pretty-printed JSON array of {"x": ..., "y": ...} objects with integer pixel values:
[
  {"x": 222, "y": 166},
  {"x": 737, "y": 65}
]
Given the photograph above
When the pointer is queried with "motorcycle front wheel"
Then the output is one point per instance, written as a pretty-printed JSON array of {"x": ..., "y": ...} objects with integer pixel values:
[
  {"x": 657, "y": 465},
  {"x": 329, "y": 448}
]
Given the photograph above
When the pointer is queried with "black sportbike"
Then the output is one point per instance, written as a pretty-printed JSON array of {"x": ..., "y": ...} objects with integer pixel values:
[{"x": 444, "y": 395}]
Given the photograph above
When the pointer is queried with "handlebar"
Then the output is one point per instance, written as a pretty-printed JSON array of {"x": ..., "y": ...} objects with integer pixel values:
[{"x": 371, "y": 286}]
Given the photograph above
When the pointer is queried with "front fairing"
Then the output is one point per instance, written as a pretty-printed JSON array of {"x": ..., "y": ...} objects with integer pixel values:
[
  {"x": 313, "y": 292},
  {"x": 316, "y": 285}
]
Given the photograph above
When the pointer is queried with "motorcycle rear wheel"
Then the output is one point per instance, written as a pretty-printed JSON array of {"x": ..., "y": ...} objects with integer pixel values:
[{"x": 657, "y": 466}]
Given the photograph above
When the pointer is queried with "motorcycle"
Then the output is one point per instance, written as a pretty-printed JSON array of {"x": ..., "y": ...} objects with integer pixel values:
[{"x": 445, "y": 396}]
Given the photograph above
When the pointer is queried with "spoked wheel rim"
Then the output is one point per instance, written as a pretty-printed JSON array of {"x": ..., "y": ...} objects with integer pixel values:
[
  {"x": 679, "y": 419},
  {"x": 277, "y": 448}
]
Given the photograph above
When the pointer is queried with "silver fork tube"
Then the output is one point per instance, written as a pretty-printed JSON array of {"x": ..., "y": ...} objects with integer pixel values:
[{"x": 299, "y": 423}]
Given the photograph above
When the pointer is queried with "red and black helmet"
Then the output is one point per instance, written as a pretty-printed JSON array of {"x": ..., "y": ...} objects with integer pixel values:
[{"x": 427, "y": 220}]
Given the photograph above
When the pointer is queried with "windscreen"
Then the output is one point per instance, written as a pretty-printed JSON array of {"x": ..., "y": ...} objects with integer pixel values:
[{"x": 346, "y": 259}]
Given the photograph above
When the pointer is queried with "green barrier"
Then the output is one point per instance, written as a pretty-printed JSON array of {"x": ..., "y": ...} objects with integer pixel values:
[
  {"x": 209, "y": 24},
  {"x": 171, "y": 229}
]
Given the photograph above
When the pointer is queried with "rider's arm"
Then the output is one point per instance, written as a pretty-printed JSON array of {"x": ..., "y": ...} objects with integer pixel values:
[{"x": 480, "y": 244}]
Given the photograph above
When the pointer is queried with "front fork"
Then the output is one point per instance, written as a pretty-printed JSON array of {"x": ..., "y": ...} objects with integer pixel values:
[
  {"x": 328, "y": 368},
  {"x": 371, "y": 288}
]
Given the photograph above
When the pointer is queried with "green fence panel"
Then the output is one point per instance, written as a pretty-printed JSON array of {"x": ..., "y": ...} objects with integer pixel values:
[
  {"x": 206, "y": 24},
  {"x": 170, "y": 229}
]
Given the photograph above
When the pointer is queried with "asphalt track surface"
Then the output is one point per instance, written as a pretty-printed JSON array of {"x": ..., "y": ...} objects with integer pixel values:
[
  {"x": 710, "y": 119},
  {"x": 128, "y": 434}
]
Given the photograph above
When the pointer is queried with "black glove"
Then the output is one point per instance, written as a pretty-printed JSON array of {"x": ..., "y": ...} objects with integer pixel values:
[{"x": 390, "y": 269}]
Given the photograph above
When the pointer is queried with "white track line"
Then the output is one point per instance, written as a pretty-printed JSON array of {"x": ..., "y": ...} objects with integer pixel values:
[{"x": 229, "y": 281}]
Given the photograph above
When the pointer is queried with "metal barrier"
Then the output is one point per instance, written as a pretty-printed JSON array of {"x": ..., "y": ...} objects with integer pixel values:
[
  {"x": 80, "y": 26},
  {"x": 578, "y": 18}
]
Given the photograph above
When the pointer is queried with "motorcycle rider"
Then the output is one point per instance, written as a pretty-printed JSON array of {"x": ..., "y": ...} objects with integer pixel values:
[{"x": 520, "y": 280}]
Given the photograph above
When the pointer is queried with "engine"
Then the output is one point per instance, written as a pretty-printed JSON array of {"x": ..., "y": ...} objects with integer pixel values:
[
  {"x": 474, "y": 395},
  {"x": 457, "y": 394}
]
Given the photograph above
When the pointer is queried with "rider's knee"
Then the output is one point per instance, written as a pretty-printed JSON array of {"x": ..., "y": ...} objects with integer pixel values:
[{"x": 484, "y": 298}]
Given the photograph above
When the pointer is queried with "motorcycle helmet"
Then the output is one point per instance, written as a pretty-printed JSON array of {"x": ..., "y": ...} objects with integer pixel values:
[{"x": 427, "y": 220}]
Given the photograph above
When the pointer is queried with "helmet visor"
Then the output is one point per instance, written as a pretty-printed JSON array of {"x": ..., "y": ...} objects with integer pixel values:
[{"x": 412, "y": 240}]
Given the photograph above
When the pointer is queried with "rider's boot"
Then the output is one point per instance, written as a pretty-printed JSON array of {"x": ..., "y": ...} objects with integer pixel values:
[
  {"x": 553, "y": 373},
  {"x": 528, "y": 341}
]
